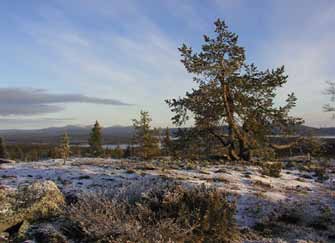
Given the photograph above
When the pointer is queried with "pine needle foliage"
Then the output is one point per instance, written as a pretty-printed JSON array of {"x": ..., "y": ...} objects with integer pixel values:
[
  {"x": 64, "y": 147},
  {"x": 95, "y": 141},
  {"x": 145, "y": 136},
  {"x": 230, "y": 92}
]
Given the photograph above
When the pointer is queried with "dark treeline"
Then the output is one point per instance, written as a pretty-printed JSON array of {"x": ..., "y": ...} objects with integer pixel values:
[
  {"x": 35, "y": 152},
  {"x": 182, "y": 148},
  {"x": 149, "y": 143}
]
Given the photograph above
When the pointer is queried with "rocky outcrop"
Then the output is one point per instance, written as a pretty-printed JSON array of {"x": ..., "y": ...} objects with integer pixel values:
[{"x": 41, "y": 199}]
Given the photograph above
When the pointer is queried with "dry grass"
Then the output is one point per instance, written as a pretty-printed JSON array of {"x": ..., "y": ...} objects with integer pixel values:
[
  {"x": 176, "y": 215},
  {"x": 300, "y": 219},
  {"x": 262, "y": 184}
]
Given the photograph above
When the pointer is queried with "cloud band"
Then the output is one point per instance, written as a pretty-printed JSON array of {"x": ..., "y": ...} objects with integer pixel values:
[{"x": 19, "y": 101}]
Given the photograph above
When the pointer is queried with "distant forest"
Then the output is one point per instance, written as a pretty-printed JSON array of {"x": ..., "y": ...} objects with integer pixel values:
[
  {"x": 35, "y": 145},
  {"x": 111, "y": 135}
]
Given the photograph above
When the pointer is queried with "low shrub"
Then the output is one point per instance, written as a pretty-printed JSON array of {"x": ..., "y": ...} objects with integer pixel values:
[
  {"x": 320, "y": 173},
  {"x": 303, "y": 216},
  {"x": 168, "y": 213},
  {"x": 271, "y": 169},
  {"x": 264, "y": 153},
  {"x": 262, "y": 184},
  {"x": 325, "y": 220}
]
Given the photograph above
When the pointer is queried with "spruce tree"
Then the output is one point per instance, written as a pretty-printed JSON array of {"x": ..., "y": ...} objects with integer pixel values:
[
  {"x": 3, "y": 150},
  {"x": 145, "y": 136},
  {"x": 95, "y": 141},
  {"x": 64, "y": 147},
  {"x": 232, "y": 93}
]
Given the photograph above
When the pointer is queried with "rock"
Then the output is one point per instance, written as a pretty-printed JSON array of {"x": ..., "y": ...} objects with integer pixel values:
[
  {"x": 4, "y": 237},
  {"x": 7, "y": 161},
  {"x": 47, "y": 233},
  {"x": 41, "y": 199},
  {"x": 23, "y": 230},
  {"x": 18, "y": 232}
]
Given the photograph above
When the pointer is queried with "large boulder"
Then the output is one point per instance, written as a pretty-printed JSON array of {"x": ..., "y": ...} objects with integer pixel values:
[
  {"x": 41, "y": 199},
  {"x": 7, "y": 161}
]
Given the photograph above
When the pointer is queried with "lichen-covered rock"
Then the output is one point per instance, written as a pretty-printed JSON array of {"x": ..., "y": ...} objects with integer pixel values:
[{"x": 41, "y": 199}]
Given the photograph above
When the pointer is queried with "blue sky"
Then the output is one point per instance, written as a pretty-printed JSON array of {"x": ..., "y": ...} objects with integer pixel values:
[{"x": 81, "y": 60}]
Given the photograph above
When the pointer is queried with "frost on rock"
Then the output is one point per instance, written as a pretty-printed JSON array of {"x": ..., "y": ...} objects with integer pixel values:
[{"x": 41, "y": 199}]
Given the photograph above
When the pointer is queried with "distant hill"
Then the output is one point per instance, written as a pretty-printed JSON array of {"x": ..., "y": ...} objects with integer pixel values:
[
  {"x": 112, "y": 135},
  {"x": 78, "y": 135},
  {"x": 325, "y": 131}
]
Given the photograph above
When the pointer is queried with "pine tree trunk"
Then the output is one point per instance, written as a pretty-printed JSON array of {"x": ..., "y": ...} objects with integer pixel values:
[
  {"x": 245, "y": 153},
  {"x": 234, "y": 130}
]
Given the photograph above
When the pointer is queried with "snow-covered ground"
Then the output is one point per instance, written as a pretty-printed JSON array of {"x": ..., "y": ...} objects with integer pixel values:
[{"x": 256, "y": 194}]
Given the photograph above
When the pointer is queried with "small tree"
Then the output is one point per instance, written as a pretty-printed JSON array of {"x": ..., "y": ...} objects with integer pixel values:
[
  {"x": 20, "y": 153},
  {"x": 33, "y": 155},
  {"x": 331, "y": 92},
  {"x": 95, "y": 141},
  {"x": 3, "y": 150},
  {"x": 118, "y": 152},
  {"x": 312, "y": 146},
  {"x": 128, "y": 152},
  {"x": 53, "y": 152},
  {"x": 108, "y": 153},
  {"x": 64, "y": 147},
  {"x": 144, "y": 136},
  {"x": 167, "y": 143}
]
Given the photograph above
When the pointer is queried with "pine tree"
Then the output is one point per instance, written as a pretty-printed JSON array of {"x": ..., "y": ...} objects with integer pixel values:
[
  {"x": 52, "y": 153},
  {"x": 127, "y": 153},
  {"x": 77, "y": 152},
  {"x": 95, "y": 141},
  {"x": 331, "y": 92},
  {"x": 188, "y": 144},
  {"x": 20, "y": 153},
  {"x": 167, "y": 143},
  {"x": 233, "y": 93},
  {"x": 108, "y": 153},
  {"x": 118, "y": 152},
  {"x": 33, "y": 155},
  {"x": 144, "y": 136},
  {"x": 3, "y": 150},
  {"x": 64, "y": 147}
]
